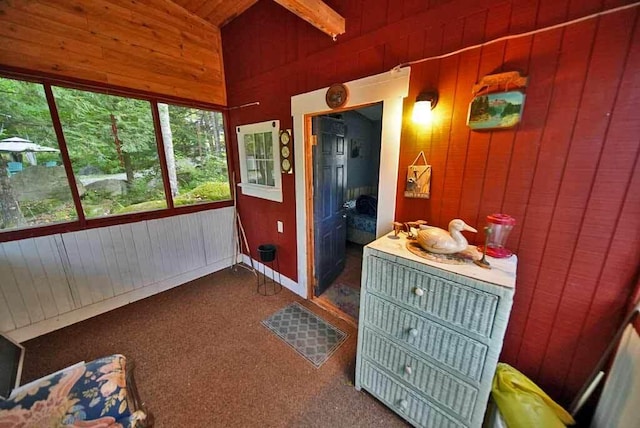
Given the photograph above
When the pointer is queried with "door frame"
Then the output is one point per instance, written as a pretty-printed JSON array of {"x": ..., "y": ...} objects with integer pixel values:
[{"x": 390, "y": 88}]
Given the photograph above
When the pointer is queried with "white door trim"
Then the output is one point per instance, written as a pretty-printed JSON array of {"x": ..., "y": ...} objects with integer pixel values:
[{"x": 390, "y": 88}]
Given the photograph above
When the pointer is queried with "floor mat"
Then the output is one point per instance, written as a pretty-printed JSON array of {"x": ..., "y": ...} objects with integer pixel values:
[
  {"x": 344, "y": 297},
  {"x": 309, "y": 335}
]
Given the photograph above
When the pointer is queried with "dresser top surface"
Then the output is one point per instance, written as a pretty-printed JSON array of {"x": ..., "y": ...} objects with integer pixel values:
[{"x": 502, "y": 272}]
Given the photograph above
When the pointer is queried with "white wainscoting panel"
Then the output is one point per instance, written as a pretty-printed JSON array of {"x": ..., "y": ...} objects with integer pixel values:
[{"x": 81, "y": 274}]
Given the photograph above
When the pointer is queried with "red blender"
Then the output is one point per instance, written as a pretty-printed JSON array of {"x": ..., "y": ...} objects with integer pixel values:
[{"x": 499, "y": 226}]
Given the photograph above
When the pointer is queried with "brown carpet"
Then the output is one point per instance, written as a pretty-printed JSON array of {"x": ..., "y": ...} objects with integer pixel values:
[{"x": 204, "y": 360}]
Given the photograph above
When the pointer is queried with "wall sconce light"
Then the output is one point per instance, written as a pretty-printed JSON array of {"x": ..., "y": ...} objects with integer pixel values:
[{"x": 425, "y": 102}]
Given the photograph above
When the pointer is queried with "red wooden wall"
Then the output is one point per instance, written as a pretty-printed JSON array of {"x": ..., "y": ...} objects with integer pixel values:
[{"x": 569, "y": 173}]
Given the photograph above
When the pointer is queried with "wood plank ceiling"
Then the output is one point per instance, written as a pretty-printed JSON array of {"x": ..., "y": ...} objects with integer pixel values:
[
  {"x": 220, "y": 12},
  {"x": 217, "y": 12}
]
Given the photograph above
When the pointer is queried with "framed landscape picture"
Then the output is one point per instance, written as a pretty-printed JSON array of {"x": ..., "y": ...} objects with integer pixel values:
[{"x": 495, "y": 111}]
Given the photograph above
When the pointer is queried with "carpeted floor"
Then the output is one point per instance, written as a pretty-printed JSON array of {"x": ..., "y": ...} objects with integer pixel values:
[{"x": 204, "y": 360}]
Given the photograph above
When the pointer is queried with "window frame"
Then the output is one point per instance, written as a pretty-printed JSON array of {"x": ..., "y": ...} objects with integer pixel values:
[
  {"x": 82, "y": 223},
  {"x": 271, "y": 193}
]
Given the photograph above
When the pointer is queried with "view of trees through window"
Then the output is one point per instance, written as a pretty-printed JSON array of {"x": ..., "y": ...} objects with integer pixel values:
[
  {"x": 112, "y": 146},
  {"x": 196, "y": 139},
  {"x": 113, "y": 151},
  {"x": 34, "y": 189}
]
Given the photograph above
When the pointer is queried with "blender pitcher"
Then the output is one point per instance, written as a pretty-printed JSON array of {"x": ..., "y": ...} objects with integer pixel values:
[{"x": 500, "y": 225}]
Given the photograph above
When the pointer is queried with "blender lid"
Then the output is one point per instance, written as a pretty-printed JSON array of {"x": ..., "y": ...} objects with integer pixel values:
[{"x": 504, "y": 219}]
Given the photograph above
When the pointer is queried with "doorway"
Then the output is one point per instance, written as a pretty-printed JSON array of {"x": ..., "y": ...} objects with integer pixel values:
[
  {"x": 346, "y": 170},
  {"x": 391, "y": 88}
]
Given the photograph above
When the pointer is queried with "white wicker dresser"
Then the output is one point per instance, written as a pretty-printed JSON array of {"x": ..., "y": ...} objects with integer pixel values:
[{"x": 430, "y": 334}]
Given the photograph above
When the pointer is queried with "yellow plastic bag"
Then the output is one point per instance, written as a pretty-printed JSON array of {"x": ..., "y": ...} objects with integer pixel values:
[{"x": 523, "y": 404}]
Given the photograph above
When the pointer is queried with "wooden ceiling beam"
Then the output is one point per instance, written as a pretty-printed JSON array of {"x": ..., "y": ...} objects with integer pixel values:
[{"x": 318, "y": 14}]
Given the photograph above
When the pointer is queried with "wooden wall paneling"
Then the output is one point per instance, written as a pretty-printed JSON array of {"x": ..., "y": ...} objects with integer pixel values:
[
  {"x": 375, "y": 16},
  {"x": 100, "y": 277},
  {"x": 551, "y": 12},
  {"x": 110, "y": 247},
  {"x": 371, "y": 60},
  {"x": 37, "y": 277},
  {"x": 19, "y": 315},
  {"x": 18, "y": 36},
  {"x": 433, "y": 42},
  {"x": 516, "y": 58},
  {"x": 586, "y": 242},
  {"x": 168, "y": 12},
  {"x": 164, "y": 241},
  {"x": 73, "y": 17},
  {"x": 124, "y": 260},
  {"x": 117, "y": 43},
  {"x": 569, "y": 84},
  {"x": 131, "y": 250},
  {"x": 475, "y": 168},
  {"x": 6, "y": 321},
  {"x": 196, "y": 240},
  {"x": 395, "y": 11},
  {"x": 352, "y": 12},
  {"x": 20, "y": 279},
  {"x": 441, "y": 142},
  {"x": 498, "y": 21},
  {"x": 144, "y": 251},
  {"x": 416, "y": 44},
  {"x": 218, "y": 239},
  {"x": 78, "y": 278},
  {"x": 524, "y": 163},
  {"x": 529, "y": 133},
  {"x": 523, "y": 16},
  {"x": 91, "y": 258},
  {"x": 459, "y": 135},
  {"x": 581, "y": 8},
  {"x": 49, "y": 255},
  {"x": 616, "y": 186},
  {"x": 412, "y": 7}
]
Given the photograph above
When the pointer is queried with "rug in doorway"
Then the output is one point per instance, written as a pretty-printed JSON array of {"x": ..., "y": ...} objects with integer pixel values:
[
  {"x": 309, "y": 335},
  {"x": 346, "y": 298}
]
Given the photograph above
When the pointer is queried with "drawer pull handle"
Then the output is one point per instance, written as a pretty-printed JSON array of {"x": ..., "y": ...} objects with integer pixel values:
[
  {"x": 413, "y": 332},
  {"x": 403, "y": 404},
  {"x": 418, "y": 291},
  {"x": 408, "y": 370}
]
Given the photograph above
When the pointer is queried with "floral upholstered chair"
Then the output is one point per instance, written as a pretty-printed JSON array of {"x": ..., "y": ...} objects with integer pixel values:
[{"x": 99, "y": 394}]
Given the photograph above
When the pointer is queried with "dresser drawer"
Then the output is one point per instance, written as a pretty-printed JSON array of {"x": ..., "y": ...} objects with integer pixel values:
[
  {"x": 473, "y": 310},
  {"x": 436, "y": 384},
  {"x": 404, "y": 401},
  {"x": 460, "y": 353}
]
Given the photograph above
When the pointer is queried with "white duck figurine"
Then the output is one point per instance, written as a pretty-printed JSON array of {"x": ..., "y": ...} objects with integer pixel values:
[{"x": 440, "y": 241}]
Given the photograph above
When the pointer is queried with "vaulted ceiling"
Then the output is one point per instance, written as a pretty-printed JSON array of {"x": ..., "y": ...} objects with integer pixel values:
[
  {"x": 220, "y": 12},
  {"x": 217, "y": 12}
]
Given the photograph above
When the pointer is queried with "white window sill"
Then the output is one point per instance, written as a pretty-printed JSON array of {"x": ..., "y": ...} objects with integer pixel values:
[{"x": 264, "y": 192}]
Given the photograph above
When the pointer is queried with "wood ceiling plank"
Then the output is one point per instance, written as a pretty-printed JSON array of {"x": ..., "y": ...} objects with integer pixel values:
[
  {"x": 316, "y": 13},
  {"x": 229, "y": 10}
]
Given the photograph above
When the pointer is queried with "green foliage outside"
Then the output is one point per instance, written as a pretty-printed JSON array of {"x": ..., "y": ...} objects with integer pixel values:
[
  {"x": 203, "y": 193},
  {"x": 113, "y": 138}
]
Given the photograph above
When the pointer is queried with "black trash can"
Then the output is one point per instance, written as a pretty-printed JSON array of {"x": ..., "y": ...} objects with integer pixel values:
[
  {"x": 268, "y": 286},
  {"x": 267, "y": 252}
]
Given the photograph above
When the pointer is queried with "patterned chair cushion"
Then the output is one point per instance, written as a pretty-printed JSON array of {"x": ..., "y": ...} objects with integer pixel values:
[{"x": 85, "y": 395}]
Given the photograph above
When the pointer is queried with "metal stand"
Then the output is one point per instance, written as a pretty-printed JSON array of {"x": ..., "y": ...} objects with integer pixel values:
[{"x": 268, "y": 286}]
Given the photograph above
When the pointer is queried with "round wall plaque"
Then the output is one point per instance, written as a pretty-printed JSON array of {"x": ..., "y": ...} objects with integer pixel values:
[{"x": 337, "y": 95}]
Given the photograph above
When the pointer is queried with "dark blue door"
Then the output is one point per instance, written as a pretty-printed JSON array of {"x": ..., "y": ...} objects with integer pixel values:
[{"x": 329, "y": 185}]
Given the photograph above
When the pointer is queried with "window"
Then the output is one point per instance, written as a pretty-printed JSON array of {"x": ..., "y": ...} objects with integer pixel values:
[
  {"x": 34, "y": 189},
  {"x": 84, "y": 157},
  {"x": 194, "y": 144},
  {"x": 113, "y": 151},
  {"x": 258, "y": 151}
]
